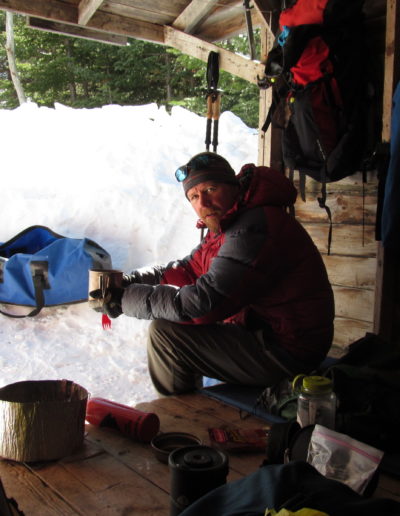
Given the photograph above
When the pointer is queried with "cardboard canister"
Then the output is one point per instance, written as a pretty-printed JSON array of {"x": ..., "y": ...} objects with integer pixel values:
[{"x": 41, "y": 419}]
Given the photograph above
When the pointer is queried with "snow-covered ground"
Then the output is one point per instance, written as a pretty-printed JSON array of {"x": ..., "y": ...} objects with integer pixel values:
[{"x": 106, "y": 174}]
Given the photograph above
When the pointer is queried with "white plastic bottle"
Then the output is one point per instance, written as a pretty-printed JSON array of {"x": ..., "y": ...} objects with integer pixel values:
[{"x": 316, "y": 403}]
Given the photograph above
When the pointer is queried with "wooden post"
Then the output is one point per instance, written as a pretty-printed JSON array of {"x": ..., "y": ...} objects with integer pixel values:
[
  {"x": 264, "y": 139},
  {"x": 269, "y": 143}
]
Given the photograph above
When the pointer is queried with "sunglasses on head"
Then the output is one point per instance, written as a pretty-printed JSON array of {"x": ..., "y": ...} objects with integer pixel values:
[{"x": 196, "y": 163}]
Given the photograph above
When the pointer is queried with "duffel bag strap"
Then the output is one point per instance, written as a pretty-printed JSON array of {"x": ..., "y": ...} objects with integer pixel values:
[{"x": 39, "y": 271}]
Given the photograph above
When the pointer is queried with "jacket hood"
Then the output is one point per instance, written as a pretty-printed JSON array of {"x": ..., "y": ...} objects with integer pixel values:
[
  {"x": 264, "y": 186},
  {"x": 260, "y": 186}
]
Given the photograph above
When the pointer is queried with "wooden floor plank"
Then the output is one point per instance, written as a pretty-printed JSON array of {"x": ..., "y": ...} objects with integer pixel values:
[
  {"x": 198, "y": 403},
  {"x": 222, "y": 411},
  {"x": 119, "y": 489},
  {"x": 137, "y": 456},
  {"x": 173, "y": 411},
  {"x": 57, "y": 478},
  {"x": 146, "y": 464},
  {"x": 32, "y": 495},
  {"x": 114, "y": 475},
  {"x": 102, "y": 484}
]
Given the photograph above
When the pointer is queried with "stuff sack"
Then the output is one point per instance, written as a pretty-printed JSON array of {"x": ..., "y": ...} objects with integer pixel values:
[
  {"x": 40, "y": 268},
  {"x": 369, "y": 408},
  {"x": 366, "y": 381},
  {"x": 297, "y": 487}
]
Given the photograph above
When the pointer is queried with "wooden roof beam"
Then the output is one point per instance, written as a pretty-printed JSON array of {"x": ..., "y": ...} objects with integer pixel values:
[
  {"x": 195, "y": 47},
  {"x": 129, "y": 27},
  {"x": 86, "y": 10},
  {"x": 79, "y": 32},
  {"x": 61, "y": 12},
  {"x": 49, "y": 10},
  {"x": 107, "y": 23},
  {"x": 268, "y": 11},
  {"x": 194, "y": 15}
]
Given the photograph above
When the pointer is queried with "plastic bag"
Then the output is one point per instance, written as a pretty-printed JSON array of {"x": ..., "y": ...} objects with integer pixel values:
[{"x": 340, "y": 457}]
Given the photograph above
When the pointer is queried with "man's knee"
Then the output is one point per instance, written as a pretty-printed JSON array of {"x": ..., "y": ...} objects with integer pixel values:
[
  {"x": 167, "y": 367},
  {"x": 159, "y": 333}
]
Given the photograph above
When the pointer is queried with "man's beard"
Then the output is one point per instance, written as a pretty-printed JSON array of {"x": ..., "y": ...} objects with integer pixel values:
[{"x": 212, "y": 224}]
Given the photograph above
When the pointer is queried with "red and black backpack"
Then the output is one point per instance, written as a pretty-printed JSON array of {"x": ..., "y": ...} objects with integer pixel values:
[{"x": 323, "y": 95}]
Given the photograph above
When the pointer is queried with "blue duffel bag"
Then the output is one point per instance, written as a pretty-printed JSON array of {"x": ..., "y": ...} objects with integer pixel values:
[{"x": 40, "y": 268}]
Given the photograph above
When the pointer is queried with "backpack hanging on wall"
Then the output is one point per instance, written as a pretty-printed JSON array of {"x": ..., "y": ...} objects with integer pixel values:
[
  {"x": 323, "y": 99},
  {"x": 40, "y": 268}
]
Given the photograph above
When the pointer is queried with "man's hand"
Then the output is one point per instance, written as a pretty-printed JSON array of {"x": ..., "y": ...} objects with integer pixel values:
[
  {"x": 128, "y": 279},
  {"x": 111, "y": 301}
]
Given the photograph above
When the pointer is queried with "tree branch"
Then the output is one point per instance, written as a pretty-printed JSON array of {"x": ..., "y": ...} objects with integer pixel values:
[{"x": 10, "y": 49}]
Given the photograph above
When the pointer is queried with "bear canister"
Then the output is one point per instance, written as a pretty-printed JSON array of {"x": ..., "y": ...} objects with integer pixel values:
[{"x": 195, "y": 470}]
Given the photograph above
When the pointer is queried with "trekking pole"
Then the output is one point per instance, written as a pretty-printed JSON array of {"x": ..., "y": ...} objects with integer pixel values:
[
  {"x": 213, "y": 99},
  {"x": 216, "y": 108},
  {"x": 209, "y": 121}
]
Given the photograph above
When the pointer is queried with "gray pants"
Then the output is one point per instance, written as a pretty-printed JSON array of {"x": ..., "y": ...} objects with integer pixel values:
[{"x": 179, "y": 355}]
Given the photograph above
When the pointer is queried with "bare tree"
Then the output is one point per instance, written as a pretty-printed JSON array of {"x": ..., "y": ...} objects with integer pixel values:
[{"x": 10, "y": 49}]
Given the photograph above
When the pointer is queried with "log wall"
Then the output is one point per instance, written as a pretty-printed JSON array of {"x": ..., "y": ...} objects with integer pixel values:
[
  {"x": 351, "y": 263},
  {"x": 353, "y": 260}
]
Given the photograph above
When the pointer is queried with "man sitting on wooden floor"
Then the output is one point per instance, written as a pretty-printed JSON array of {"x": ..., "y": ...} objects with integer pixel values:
[{"x": 251, "y": 304}]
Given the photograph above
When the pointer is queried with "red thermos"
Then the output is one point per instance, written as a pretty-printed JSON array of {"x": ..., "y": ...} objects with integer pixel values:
[{"x": 141, "y": 426}]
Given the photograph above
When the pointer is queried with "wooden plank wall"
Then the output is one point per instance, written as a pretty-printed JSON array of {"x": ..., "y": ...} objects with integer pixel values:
[{"x": 351, "y": 264}]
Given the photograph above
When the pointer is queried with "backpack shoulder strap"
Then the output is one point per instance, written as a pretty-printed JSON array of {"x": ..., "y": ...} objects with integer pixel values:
[{"x": 322, "y": 204}]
